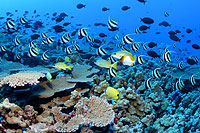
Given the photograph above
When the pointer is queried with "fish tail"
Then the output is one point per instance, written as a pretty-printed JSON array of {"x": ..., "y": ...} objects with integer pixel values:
[
  {"x": 114, "y": 65},
  {"x": 69, "y": 67}
]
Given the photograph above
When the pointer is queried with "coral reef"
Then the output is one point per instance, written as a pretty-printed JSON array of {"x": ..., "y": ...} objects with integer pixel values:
[
  {"x": 57, "y": 85},
  {"x": 22, "y": 78},
  {"x": 80, "y": 73}
]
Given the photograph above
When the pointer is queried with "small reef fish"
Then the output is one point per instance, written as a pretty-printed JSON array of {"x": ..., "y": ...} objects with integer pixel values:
[
  {"x": 128, "y": 60},
  {"x": 112, "y": 92},
  {"x": 192, "y": 80},
  {"x": 112, "y": 25},
  {"x": 82, "y": 33},
  {"x": 49, "y": 76},
  {"x": 156, "y": 73},
  {"x": 62, "y": 66},
  {"x": 67, "y": 59},
  {"x": 100, "y": 51},
  {"x": 105, "y": 64},
  {"x": 45, "y": 56},
  {"x": 121, "y": 53},
  {"x": 148, "y": 84},
  {"x": 127, "y": 39}
]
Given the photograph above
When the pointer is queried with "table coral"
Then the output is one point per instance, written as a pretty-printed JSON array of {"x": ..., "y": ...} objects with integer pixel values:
[
  {"x": 57, "y": 85},
  {"x": 80, "y": 73},
  {"x": 22, "y": 78}
]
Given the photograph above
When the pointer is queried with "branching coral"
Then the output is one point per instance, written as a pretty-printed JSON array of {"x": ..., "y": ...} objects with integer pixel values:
[
  {"x": 94, "y": 111},
  {"x": 75, "y": 96},
  {"x": 22, "y": 78}
]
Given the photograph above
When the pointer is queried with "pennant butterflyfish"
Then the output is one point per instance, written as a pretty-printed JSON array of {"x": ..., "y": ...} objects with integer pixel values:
[{"x": 128, "y": 60}]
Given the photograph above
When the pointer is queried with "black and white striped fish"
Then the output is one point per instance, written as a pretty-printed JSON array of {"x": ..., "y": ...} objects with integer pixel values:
[
  {"x": 112, "y": 72},
  {"x": 17, "y": 41},
  {"x": 167, "y": 56},
  {"x": 144, "y": 46},
  {"x": 23, "y": 20},
  {"x": 3, "y": 48},
  {"x": 116, "y": 37},
  {"x": 193, "y": 80},
  {"x": 32, "y": 44},
  {"x": 137, "y": 31},
  {"x": 49, "y": 40},
  {"x": 124, "y": 48},
  {"x": 89, "y": 39},
  {"x": 181, "y": 65},
  {"x": 156, "y": 73},
  {"x": 127, "y": 40},
  {"x": 10, "y": 24},
  {"x": 148, "y": 83},
  {"x": 161, "y": 61},
  {"x": 100, "y": 51},
  {"x": 112, "y": 24},
  {"x": 44, "y": 41},
  {"x": 181, "y": 83},
  {"x": 135, "y": 47},
  {"x": 43, "y": 35},
  {"x": 166, "y": 14},
  {"x": 177, "y": 86},
  {"x": 140, "y": 60},
  {"x": 68, "y": 50},
  {"x": 18, "y": 56},
  {"x": 119, "y": 45},
  {"x": 45, "y": 56},
  {"x": 196, "y": 59},
  {"x": 64, "y": 39},
  {"x": 33, "y": 52},
  {"x": 111, "y": 59},
  {"x": 82, "y": 33},
  {"x": 76, "y": 47}
]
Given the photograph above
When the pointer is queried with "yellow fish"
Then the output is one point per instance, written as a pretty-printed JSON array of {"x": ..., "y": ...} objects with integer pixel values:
[
  {"x": 121, "y": 53},
  {"x": 105, "y": 64},
  {"x": 62, "y": 66},
  {"x": 67, "y": 59},
  {"x": 112, "y": 92},
  {"x": 49, "y": 76},
  {"x": 128, "y": 60}
]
